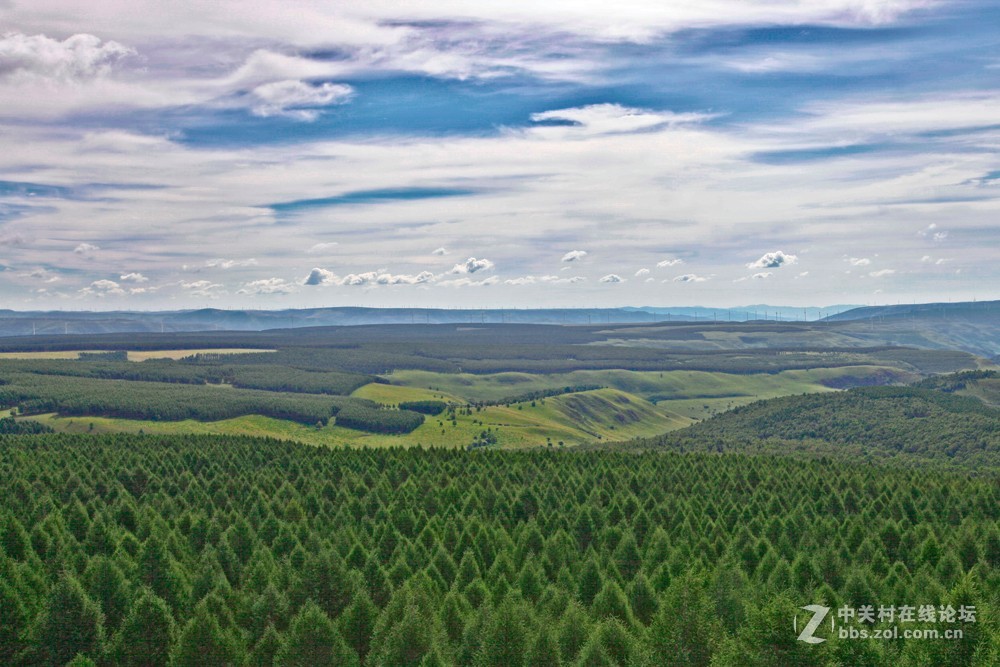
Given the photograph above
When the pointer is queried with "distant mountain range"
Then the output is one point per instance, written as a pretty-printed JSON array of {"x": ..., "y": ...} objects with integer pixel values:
[
  {"x": 18, "y": 323},
  {"x": 957, "y": 310},
  {"x": 973, "y": 326},
  {"x": 970, "y": 326}
]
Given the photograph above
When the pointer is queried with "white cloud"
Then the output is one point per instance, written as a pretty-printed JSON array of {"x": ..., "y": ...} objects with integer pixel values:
[
  {"x": 574, "y": 255},
  {"x": 384, "y": 26},
  {"x": 439, "y": 251},
  {"x": 319, "y": 248},
  {"x": 296, "y": 99},
  {"x": 133, "y": 278},
  {"x": 366, "y": 279},
  {"x": 472, "y": 265},
  {"x": 598, "y": 119},
  {"x": 882, "y": 273},
  {"x": 203, "y": 288},
  {"x": 265, "y": 66},
  {"x": 641, "y": 272},
  {"x": 773, "y": 260},
  {"x": 382, "y": 277},
  {"x": 523, "y": 280},
  {"x": 268, "y": 286},
  {"x": 686, "y": 186},
  {"x": 859, "y": 261},
  {"x": 320, "y": 277},
  {"x": 763, "y": 275},
  {"x": 86, "y": 249},
  {"x": 102, "y": 288},
  {"x": 690, "y": 278},
  {"x": 79, "y": 57},
  {"x": 612, "y": 278}
]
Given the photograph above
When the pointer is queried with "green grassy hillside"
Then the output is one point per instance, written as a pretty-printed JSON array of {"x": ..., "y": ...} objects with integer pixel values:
[
  {"x": 574, "y": 419},
  {"x": 871, "y": 422},
  {"x": 692, "y": 394}
]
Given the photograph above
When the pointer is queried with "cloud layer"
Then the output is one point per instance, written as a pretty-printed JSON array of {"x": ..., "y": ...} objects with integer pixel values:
[{"x": 163, "y": 154}]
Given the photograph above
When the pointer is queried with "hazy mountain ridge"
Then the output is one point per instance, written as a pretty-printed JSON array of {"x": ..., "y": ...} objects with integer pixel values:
[{"x": 21, "y": 323}]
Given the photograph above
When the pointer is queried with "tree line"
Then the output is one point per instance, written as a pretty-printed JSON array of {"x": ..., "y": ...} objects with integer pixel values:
[{"x": 200, "y": 550}]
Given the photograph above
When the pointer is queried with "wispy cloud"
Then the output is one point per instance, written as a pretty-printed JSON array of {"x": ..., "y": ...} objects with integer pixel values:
[
  {"x": 574, "y": 255},
  {"x": 296, "y": 99},
  {"x": 221, "y": 263},
  {"x": 690, "y": 278},
  {"x": 320, "y": 248},
  {"x": 498, "y": 129},
  {"x": 598, "y": 119}
]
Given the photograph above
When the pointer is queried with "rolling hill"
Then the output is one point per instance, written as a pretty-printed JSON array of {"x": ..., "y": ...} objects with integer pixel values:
[{"x": 867, "y": 423}]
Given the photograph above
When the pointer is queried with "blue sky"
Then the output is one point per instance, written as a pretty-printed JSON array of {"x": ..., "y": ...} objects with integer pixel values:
[{"x": 175, "y": 155}]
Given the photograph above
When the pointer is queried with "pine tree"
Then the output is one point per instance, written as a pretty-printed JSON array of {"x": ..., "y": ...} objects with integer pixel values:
[
  {"x": 73, "y": 623},
  {"x": 611, "y": 603},
  {"x": 14, "y": 538},
  {"x": 454, "y": 609},
  {"x": 642, "y": 599},
  {"x": 619, "y": 644},
  {"x": 682, "y": 629},
  {"x": 627, "y": 557},
  {"x": 13, "y": 622},
  {"x": 203, "y": 642},
  {"x": 357, "y": 624},
  {"x": 266, "y": 648},
  {"x": 506, "y": 641},
  {"x": 107, "y": 585},
  {"x": 313, "y": 641},
  {"x": 146, "y": 635},
  {"x": 594, "y": 654},
  {"x": 574, "y": 629},
  {"x": 543, "y": 651},
  {"x": 591, "y": 582},
  {"x": 408, "y": 628}
]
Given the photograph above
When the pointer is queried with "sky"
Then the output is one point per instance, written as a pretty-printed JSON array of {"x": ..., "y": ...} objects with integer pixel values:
[{"x": 465, "y": 153}]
